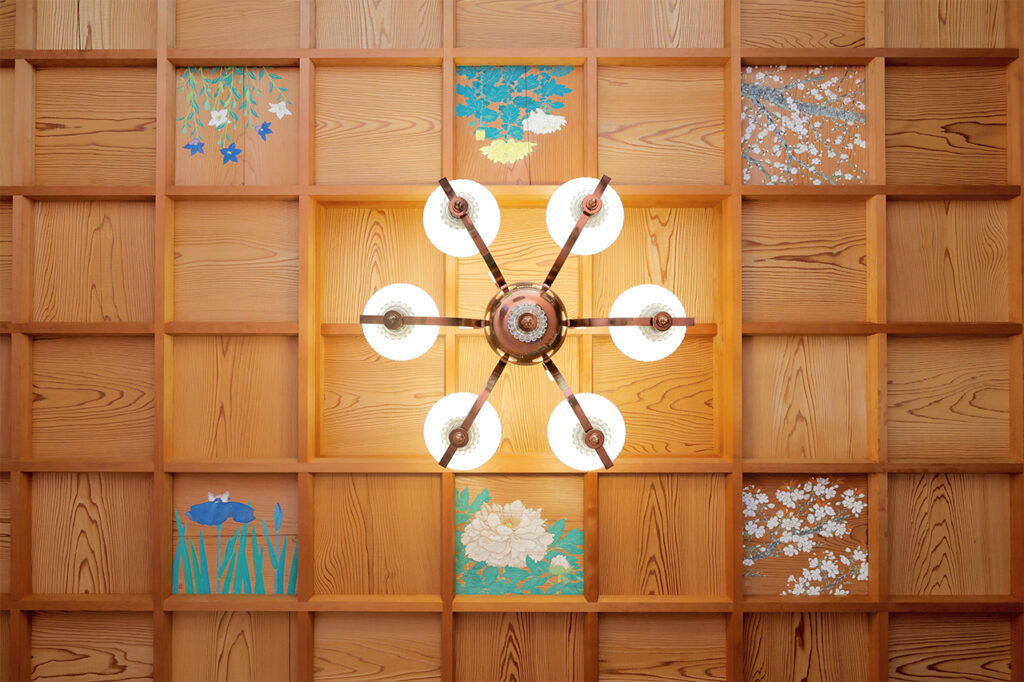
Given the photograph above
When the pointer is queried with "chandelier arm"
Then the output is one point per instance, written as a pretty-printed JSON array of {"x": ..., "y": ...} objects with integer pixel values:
[
  {"x": 576, "y": 407},
  {"x": 563, "y": 255},
  {"x": 475, "y": 410},
  {"x": 626, "y": 322},
  {"x": 492, "y": 265},
  {"x": 435, "y": 321}
]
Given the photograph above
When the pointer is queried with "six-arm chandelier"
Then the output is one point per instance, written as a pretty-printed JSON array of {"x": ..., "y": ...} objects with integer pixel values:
[{"x": 525, "y": 323}]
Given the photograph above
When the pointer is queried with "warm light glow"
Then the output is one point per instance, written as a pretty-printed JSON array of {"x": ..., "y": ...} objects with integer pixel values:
[
  {"x": 564, "y": 210},
  {"x": 565, "y": 435},
  {"x": 484, "y": 435},
  {"x": 646, "y": 343},
  {"x": 447, "y": 232},
  {"x": 408, "y": 341}
]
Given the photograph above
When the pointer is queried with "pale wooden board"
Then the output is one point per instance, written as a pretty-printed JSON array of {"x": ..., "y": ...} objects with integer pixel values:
[
  {"x": 5, "y": 534},
  {"x": 663, "y": 534},
  {"x": 92, "y": 261},
  {"x": 274, "y": 161},
  {"x": 662, "y": 646},
  {"x": 95, "y": 126},
  {"x": 5, "y": 645},
  {"x": 804, "y": 261},
  {"x": 92, "y": 646},
  {"x": 668, "y": 405},
  {"x": 949, "y": 399},
  {"x": 236, "y": 261},
  {"x": 237, "y": 23},
  {"x": 672, "y": 247},
  {"x": 940, "y": 526},
  {"x": 232, "y": 645},
  {"x": 376, "y": 534},
  {"x": 7, "y": 24},
  {"x": 796, "y": 23},
  {"x": 93, "y": 398},
  {"x": 961, "y": 646},
  {"x": 384, "y": 647},
  {"x": 817, "y": 647},
  {"x": 660, "y": 23},
  {"x": 6, "y": 258},
  {"x": 558, "y": 156},
  {"x": 5, "y": 397},
  {"x": 519, "y": 646},
  {"x": 805, "y": 397},
  {"x": 372, "y": 406},
  {"x": 364, "y": 138},
  {"x": 6, "y": 131},
  {"x": 378, "y": 24},
  {"x": 524, "y": 396},
  {"x": 361, "y": 250},
  {"x": 95, "y": 24},
  {"x": 92, "y": 533},
  {"x": 234, "y": 397},
  {"x": 945, "y": 23},
  {"x": 519, "y": 23},
  {"x": 661, "y": 125},
  {"x": 524, "y": 250},
  {"x": 947, "y": 261},
  {"x": 945, "y": 125}
]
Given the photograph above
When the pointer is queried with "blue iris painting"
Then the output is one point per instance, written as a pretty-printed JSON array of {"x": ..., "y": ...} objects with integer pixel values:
[{"x": 243, "y": 551}]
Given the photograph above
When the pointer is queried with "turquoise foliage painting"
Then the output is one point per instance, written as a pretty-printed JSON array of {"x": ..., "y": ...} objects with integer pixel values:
[
  {"x": 221, "y": 103},
  {"x": 503, "y": 104},
  {"x": 245, "y": 549},
  {"x": 511, "y": 549}
]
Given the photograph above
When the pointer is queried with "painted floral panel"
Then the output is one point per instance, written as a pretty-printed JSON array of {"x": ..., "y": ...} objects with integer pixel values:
[
  {"x": 509, "y": 541},
  {"x": 803, "y": 125},
  {"x": 805, "y": 536}
]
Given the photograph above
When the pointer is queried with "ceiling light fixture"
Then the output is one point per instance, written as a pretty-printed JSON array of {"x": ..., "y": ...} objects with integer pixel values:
[{"x": 525, "y": 323}]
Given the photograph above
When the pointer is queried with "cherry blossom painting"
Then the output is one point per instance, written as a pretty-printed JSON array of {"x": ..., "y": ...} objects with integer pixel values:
[
  {"x": 805, "y": 537},
  {"x": 505, "y": 545},
  {"x": 803, "y": 125}
]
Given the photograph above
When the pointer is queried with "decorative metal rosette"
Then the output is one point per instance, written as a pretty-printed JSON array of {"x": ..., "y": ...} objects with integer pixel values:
[{"x": 534, "y": 334}]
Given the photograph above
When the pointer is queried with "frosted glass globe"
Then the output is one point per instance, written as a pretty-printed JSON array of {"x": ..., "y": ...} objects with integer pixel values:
[
  {"x": 447, "y": 232},
  {"x": 565, "y": 208},
  {"x": 408, "y": 341},
  {"x": 565, "y": 435},
  {"x": 647, "y": 344},
  {"x": 484, "y": 435}
]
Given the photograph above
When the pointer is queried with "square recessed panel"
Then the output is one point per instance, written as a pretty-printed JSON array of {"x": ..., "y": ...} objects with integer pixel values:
[
  {"x": 796, "y": 23},
  {"x": 514, "y": 23},
  {"x": 806, "y": 646},
  {"x": 962, "y": 646},
  {"x": 546, "y": 646},
  {"x": 92, "y": 645},
  {"x": 6, "y": 255},
  {"x": 5, "y": 396},
  {"x": 232, "y": 645},
  {"x": 236, "y": 23},
  {"x": 978, "y": 23},
  {"x": 662, "y": 646},
  {"x": 378, "y": 23},
  {"x": 5, "y": 533},
  {"x": 95, "y": 24},
  {"x": 365, "y": 646},
  {"x": 660, "y": 23}
]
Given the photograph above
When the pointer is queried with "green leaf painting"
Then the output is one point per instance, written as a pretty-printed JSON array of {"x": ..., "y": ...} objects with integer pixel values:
[{"x": 510, "y": 549}]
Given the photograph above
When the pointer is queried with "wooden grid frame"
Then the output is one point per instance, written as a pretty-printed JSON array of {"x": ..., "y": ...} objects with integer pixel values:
[{"x": 743, "y": 615}]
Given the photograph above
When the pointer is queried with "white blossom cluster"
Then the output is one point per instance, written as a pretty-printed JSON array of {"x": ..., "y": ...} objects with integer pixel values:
[
  {"x": 800, "y": 130},
  {"x": 801, "y": 517}
]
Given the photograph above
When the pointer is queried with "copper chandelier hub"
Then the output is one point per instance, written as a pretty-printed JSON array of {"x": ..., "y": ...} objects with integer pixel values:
[{"x": 526, "y": 322}]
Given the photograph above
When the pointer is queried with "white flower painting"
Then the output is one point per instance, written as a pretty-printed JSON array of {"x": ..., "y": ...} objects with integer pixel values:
[
  {"x": 542, "y": 123},
  {"x": 218, "y": 118},
  {"x": 505, "y": 534},
  {"x": 280, "y": 109}
]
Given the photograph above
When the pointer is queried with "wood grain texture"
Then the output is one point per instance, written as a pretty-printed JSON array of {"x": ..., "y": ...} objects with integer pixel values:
[
  {"x": 378, "y": 23},
  {"x": 948, "y": 534},
  {"x": 523, "y": 398},
  {"x": 6, "y": 258},
  {"x": 5, "y": 535},
  {"x": 525, "y": 251},
  {"x": 384, "y": 647},
  {"x": 5, "y": 397},
  {"x": 95, "y": 126},
  {"x": 7, "y": 146},
  {"x": 92, "y": 646},
  {"x": 949, "y": 399},
  {"x": 95, "y": 24},
  {"x": 662, "y": 646},
  {"x": 376, "y": 534},
  {"x": 947, "y": 261},
  {"x": 805, "y": 397},
  {"x": 961, "y": 646},
  {"x": 237, "y": 23},
  {"x": 804, "y": 262},
  {"x": 234, "y": 397},
  {"x": 519, "y": 646},
  {"x": 795, "y": 23},
  {"x": 374, "y": 406},
  {"x": 362, "y": 250},
  {"x": 669, "y": 406},
  {"x": 815, "y": 647},
  {"x": 660, "y": 23},
  {"x": 236, "y": 261},
  {"x": 232, "y": 645},
  {"x": 671, "y": 247},
  {"x": 663, "y": 534},
  {"x": 5, "y": 645},
  {"x": 93, "y": 261},
  {"x": 7, "y": 23},
  {"x": 661, "y": 125},
  {"x": 945, "y": 125},
  {"x": 945, "y": 23},
  {"x": 518, "y": 23},
  {"x": 363, "y": 137},
  {"x": 92, "y": 533},
  {"x": 93, "y": 398}
]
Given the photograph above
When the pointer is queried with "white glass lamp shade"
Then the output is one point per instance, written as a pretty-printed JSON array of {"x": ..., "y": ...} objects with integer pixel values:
[
  {"x": 484, "y": 435},
  {"x": 647, "y": 344},
  {"x": 447, "y": 232},
  {"x": 408, "y": 341},
  {"x": 565, "y": 207},
  {"x": 566, "y": 437}
]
